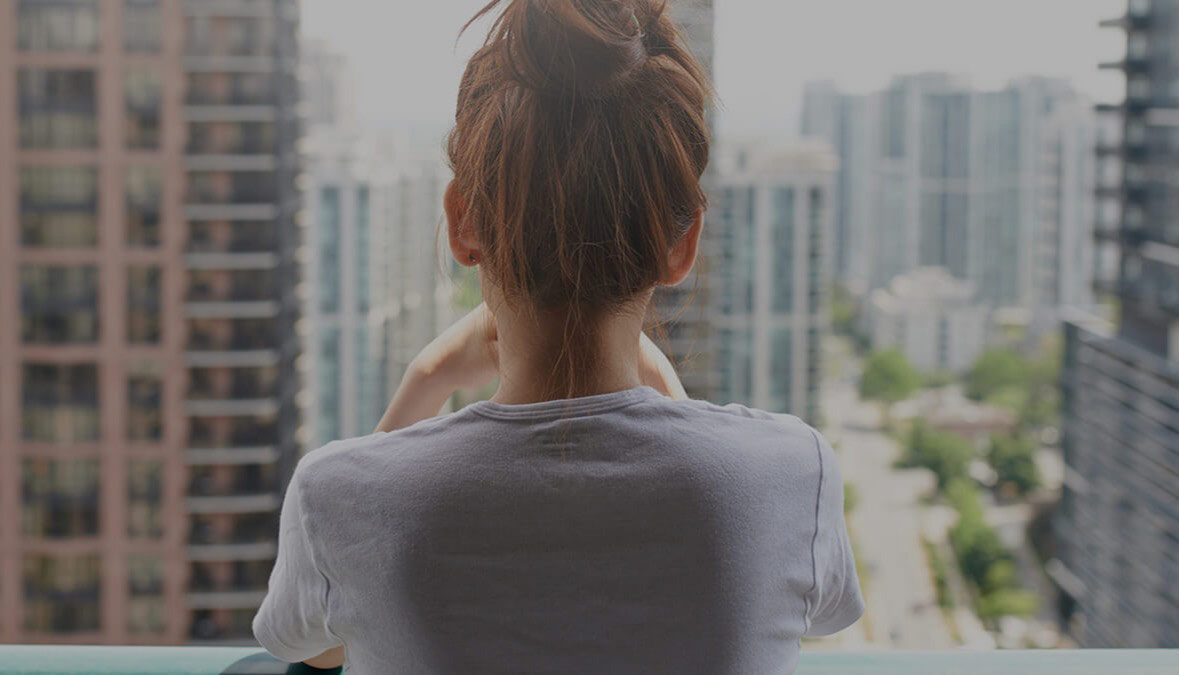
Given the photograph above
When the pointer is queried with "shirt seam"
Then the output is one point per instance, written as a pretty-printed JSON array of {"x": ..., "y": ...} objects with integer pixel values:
[
  {"x": 815, "y": 536},
  {"x": 327, "y": 583},
  {"x": 584, "y": 409}
]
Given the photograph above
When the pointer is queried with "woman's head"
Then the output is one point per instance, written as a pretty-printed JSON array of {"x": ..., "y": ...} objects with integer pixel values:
[{"x": 579, "y": 142}]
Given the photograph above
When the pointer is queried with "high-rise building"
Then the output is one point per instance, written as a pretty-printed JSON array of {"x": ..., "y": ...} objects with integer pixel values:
[
  {"x": 685, "y": 311},
  {"x": 343, "y": 265},
  {"x": 326, "y": 86},
  {"x": 375, "y": 287},
  {"x": 146, "y": 398},
  {"x": 774, "y": 220},
  {"x": 1117, "y": 525},
  {"x": 988, "y": 184},
  {"x": 931, "y": 317}
]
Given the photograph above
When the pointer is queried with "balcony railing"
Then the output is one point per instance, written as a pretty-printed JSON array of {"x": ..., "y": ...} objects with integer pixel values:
[{"x": 57, "y": 660}]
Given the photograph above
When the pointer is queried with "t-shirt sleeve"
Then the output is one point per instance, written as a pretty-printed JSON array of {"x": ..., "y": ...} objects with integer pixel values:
[
  {"x": 834, "y": 602},
  {"x": 292, "y": 622}
]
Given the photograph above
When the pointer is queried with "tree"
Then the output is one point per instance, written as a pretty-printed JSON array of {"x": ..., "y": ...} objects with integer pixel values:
[
  {"x": 977, "y": 546},
  {"x": 995, "y": 370},
  {"x": 946, "y": 454},
  {"x": 888, "y": 377},
  {"x": 851, "y": 497},
  {"x": 1014, "y": 460},
  {"x": 1007, "y": 602}
]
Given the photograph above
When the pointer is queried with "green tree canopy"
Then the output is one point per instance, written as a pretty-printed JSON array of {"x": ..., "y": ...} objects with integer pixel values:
[
  {"x": 1014, "y": 460},
  {"x": 994, "y": 371},
  {"x": 946, "y": 454},
  {"x": 888, "y": 377}
]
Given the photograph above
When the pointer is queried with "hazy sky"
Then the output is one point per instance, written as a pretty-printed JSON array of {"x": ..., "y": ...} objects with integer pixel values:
[{"x": 406, "y": 65}]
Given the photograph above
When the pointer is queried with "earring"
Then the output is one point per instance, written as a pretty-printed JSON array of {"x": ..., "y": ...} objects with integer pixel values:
[{"x": 471, "y": 257}]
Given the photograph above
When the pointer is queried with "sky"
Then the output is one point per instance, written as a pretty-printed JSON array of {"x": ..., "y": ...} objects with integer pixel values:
[{"x": 406, "y": 64}]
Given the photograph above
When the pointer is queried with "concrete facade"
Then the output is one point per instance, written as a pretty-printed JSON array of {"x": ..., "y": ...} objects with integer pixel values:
[{"x": 147, "y": 250}]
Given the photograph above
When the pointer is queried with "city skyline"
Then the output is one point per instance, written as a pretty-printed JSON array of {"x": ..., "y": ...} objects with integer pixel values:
[{"x": 765, "y": 53}]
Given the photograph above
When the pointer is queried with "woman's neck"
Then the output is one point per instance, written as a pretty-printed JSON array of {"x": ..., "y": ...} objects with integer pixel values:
[{"x": 531, "y": 366}]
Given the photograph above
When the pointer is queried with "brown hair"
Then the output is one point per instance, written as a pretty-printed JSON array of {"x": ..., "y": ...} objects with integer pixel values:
[{"x": 580, "y": 138}]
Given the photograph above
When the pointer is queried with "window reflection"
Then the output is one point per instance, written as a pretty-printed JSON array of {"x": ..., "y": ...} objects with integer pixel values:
[
  {"x": 143, "y": 191},
  {"x": 57, "y": 108},
  {"x": 142, "y": 91},
  {"x": 62, "y": 593},
  {"x": 58, "y": 206},
  {"x": 144, "y": 489},
  {"x": 143, "y": 305},
  {"x": 59, "y": 305},
  {"x": 61, "y": 25},
  {"x": 144, "y": 405},
  {"x": 145, "y": 610},
  {"x": 59, "y": 498},
  {"x": 143, "y": 25},
  {"x": 59, "y": 403}
]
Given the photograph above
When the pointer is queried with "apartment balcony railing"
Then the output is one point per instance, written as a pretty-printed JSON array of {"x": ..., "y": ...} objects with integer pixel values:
[
  {"x": 243, "y": 292},
  {"x": 243, "y": 97},
  {"x": 57, "y": 660},
  {"x": 204, "y": 486}
]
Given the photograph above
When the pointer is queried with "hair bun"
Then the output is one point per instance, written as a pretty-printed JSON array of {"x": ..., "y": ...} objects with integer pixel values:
[{"x": 572, "y": 47}]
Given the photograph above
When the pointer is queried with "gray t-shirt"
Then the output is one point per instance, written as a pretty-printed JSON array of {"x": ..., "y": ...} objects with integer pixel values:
[{"x": 619, "y": 533}]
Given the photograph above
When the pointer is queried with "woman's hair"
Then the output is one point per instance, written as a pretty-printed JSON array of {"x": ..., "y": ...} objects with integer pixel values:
[{"x": 580, "y": 138}]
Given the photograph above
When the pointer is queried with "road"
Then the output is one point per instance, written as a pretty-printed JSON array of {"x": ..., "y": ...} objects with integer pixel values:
[{"x": 887, "y": 523}]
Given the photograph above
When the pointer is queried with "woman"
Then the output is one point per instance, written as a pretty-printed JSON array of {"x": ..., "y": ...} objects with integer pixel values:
[{"x": 588, "y": 518}]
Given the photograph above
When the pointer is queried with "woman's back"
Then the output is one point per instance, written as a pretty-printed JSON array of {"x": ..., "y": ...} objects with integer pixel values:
[{"x": 623, "y": 532}]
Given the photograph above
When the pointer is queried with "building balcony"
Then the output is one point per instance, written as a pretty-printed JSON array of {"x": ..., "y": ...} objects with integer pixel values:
[
  {"x": 263, "y": 503},
  {"x": 244, "y": 599},
  {"x": 231, "y": 309},
  {"x": 210, "y": 109},
  {"x": 70, "y": 660},
  {"x": 1130, "y": 64},
  {"x": 264, "y": 549},
  {"x": 264, "y": 454},
  {"x": 231, "y": 261},
  {"x": 230, "y": 407},
  {"x": 255, "y": 212},
  {"x": 230, "y": 162},
  {"x": 236, "y": 486}
]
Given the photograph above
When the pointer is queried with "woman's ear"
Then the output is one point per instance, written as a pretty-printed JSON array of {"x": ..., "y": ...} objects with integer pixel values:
[
  {"x": 463, "y": 244},
  {"x": 682, "y": 257}
]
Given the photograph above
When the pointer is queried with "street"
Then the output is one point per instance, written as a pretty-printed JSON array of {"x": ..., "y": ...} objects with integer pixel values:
[{"x": 886, "y": 525}]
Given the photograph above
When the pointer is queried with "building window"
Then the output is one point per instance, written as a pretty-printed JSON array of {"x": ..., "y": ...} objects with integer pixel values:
[
  {"x": 329, "y": 249},
  {"x": 145, "y": 393},
  {"x": 229, "y": 89},
  {"x": 363, "y": 244},
  {"x": 59, "y": 206},
  {"x": 143, "y": 25},
  {"x": 57, "y": 108},
  {"x": 815, "y": 282},
  {"x": 232, "y": 36},
  {"x": 784, "y": 262},
  {"x": 231, "y": 138},
  {"x": 59, "y": 305},
  {"x": 59, "y": 498},
  {"x": 781, "y": 370},
  {"x": 231, "y": 187},
  {"x": 145, "y": 584},
  {"x": 329, "y": 385},
  {"x": 143, "y": 189},
  {"x": 144, "y": 501},
  {"x": 142, "y": 92},
  {"x": 62, "y": 593},
  {"x": 60, "y": 26},
  {"x": 59, "y": 403},
  {"x": 143, "y": 305}
]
